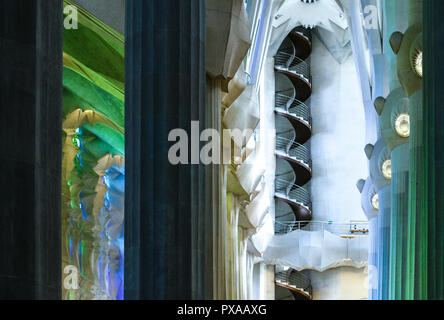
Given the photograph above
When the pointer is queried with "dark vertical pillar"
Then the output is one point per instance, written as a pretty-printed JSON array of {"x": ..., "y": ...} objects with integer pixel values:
[
  {"x": 30, "y": 148},
  {"x": 165, "y": 221},
  {"x": 433, "y": 130}
]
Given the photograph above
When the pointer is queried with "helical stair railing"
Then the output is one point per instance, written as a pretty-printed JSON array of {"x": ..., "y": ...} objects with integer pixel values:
[
  {"x": 284, "y": 223},
  {"x": 291, "y": 63},
  {"x": 298, "y": 283},
  {"x": 287, "y": 47},
  {"x": 291, "y": 60},
  {"x": 287, "y": 104},
  {"x": 293, "y": 193},
  {"x": 293, "y": 150},
  {"x": 292, "y": 146}
]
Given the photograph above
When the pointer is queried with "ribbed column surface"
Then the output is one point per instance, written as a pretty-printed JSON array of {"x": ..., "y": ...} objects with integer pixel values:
[
  {"x": 433, "y": 150},
  {"x": 30, "y": 148},
  {"x": 384, "y": 242},
  {"x": 416, "y": 245},
  {"x": 398, "y": 222},
  {"x": 164, "y": 203}
]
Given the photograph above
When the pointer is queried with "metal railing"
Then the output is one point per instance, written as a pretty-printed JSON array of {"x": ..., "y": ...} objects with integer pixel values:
[
  {"x": 293, "y": 150},
  {"x": 296, "y": 280},
  {"x": 286, "y": 225},
  {"x": 347, "y": 230},
  {"x": 293, "y": 64},
  {"x": 288, "y": 47},
  {"x": 284, "y": 99},
  {"x": 293, "y": 193},
  {"x": 292, "y": 106},
  {"x": 286, "y": 217}
]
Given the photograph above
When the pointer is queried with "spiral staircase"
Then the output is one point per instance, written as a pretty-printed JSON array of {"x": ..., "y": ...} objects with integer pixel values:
[
  {"x": 293, "y": 129},
  {"x": 296, "y": 282},
  {"x": 293, "y": 152}
]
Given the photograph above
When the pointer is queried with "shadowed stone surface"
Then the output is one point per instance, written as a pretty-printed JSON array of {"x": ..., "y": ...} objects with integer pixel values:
[
  {"x": 30, "y": 148},
  {"x": 165, "y": 220},
  {"x": 434, "y": 152}
]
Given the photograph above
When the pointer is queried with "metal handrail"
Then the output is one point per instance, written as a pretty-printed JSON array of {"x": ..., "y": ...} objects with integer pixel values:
[
  {"x": 292, "y": 106},
  {"x": 292, "y": 91},
  {"x": 284, "y": 101},
  {"x": 293, "y": 192},
  {"x": 292, "y": 63},
  {"x": 346, "y": 229},
  {"x": 294, "y": 150},
  {"x": 295, "y": 279},
  {"x": 281, "y": 228},
  {"x": 288, "y": 47},
  {"x": 287, "y": 214}
]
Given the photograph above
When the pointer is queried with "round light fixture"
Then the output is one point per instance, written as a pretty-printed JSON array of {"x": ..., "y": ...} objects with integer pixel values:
[
  {"x": 418, "y": 64},
  {"x": 387, "y": 169},
  {"x": 402, "y": 125},
  {"x": 375, "y": 201}
]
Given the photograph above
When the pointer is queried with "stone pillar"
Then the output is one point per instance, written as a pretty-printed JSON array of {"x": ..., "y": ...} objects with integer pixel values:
[
  {"x": 407, "y": 47},
  {"x": 368, "y": 193},
  {"x": 373, "y": 259},
  {"x": 416, "y": 259},
  {"x": 384, "y": 242},
  {"x": 227, "y": 42},
  {"x": 393, "y": 110},
  {"x": 433, "y": 133},
  {"x": 378, "y": 155},
  {"x": 165, "y": 225},
  {"x": 216, "y": 196},
  {"x": 30, "y": 149},
  {"x": 398, "y": 222}
]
